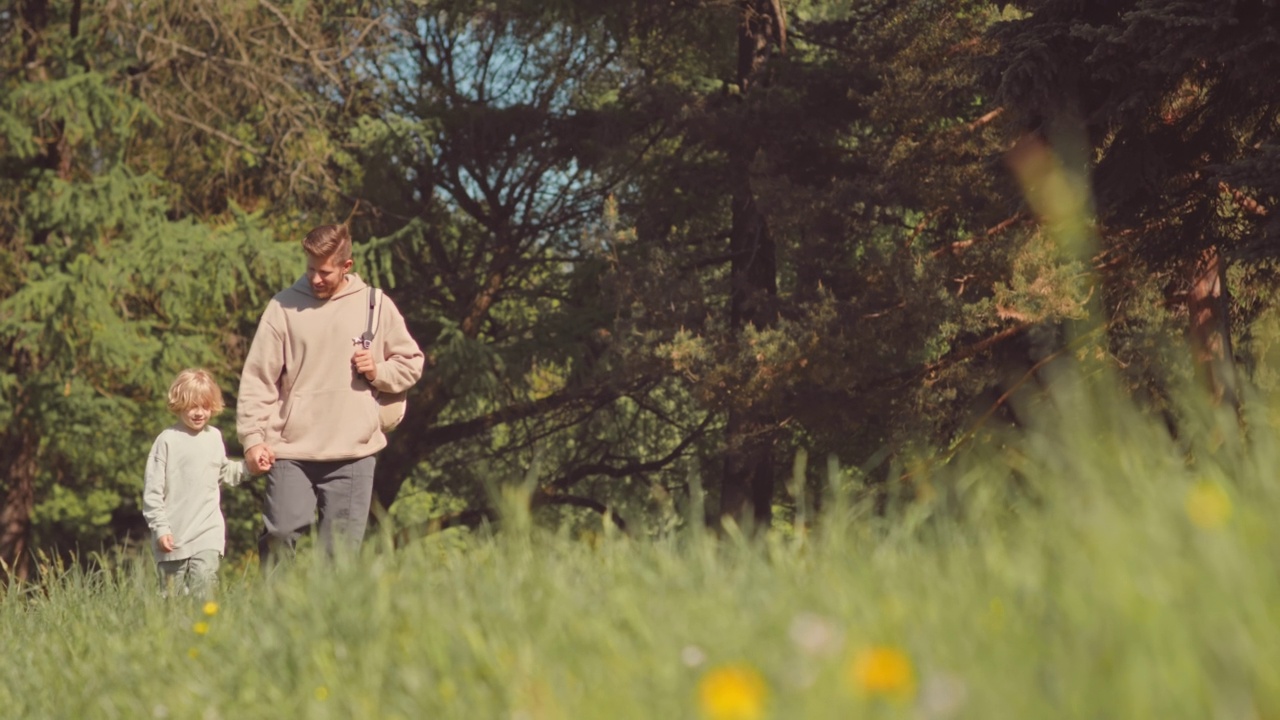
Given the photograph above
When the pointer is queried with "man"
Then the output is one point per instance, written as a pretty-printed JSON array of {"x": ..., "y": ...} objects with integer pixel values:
[{"x": 308, "y": 406}]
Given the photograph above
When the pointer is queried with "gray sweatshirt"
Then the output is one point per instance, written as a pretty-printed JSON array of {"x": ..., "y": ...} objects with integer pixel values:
[{"x": 180, "y": 491}]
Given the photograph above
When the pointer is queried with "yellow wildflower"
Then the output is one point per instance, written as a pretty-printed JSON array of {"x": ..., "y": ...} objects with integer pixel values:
[
  {"x": 322, "y": 693},
  {"x": 732, "y": 692},
  {"x": 447, "y": 690},
  {"x": 211, "y": 608},
  {"x": 1208, "y": 505},
  {"x": 201, "y": 627},
  {"x": 883, "y": 671}
]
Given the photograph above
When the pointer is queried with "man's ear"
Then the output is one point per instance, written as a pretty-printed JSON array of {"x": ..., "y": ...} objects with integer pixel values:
[{"x": 346, "y": 265}]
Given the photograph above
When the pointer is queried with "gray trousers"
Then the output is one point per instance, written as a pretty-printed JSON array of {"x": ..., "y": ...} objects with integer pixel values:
[
  {"x": 196, "y": 575},
  {"x": 340, "y": 490}
]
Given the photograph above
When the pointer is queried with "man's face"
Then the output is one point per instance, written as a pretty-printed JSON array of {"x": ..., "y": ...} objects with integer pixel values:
[{"x": 326, "y": 275}]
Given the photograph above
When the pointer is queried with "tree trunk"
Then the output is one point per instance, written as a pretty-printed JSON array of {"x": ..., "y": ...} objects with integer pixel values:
[
  {"x": 1211, "y": 327},
  {"x": 18, "y": 456},
  {"x": 35, "y": 16},
  {"x": 746, "y": 488},
  {"x": 15, "y": 514},
  {"x": 404, "y": 450}
]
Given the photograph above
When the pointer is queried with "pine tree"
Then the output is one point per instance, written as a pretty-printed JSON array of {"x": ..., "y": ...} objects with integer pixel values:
[
  {"x": 1179, "y": 115},
  {"x": 110, "y": 295}
]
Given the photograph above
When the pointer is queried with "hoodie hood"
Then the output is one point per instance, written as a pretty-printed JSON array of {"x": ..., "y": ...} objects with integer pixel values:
[{"x": 353, "y": 286}]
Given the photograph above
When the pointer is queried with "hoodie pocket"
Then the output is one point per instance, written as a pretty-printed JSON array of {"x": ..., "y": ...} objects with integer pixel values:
[{"x": 330, "y": 423}]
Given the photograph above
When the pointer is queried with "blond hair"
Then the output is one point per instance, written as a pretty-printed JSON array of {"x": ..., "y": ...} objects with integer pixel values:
[
  {"x": 195, "y": 387},
  {"x": 329, "y": 241}
]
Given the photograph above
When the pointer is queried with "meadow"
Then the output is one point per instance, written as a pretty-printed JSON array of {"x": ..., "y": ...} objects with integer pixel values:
[{"x": 1088, "y": 564}]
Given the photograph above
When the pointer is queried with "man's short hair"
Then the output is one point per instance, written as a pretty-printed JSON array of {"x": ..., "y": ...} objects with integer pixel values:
[
  {"x": 328, "y": 241},
  {"x": 195, "y": 387}
]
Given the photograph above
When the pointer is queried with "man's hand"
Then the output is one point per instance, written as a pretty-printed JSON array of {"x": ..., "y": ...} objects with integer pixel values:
[
  {"x": 364, "y": 364},
  {"x": 259, "y": 458},
  {"x": 165, "y": 543}
]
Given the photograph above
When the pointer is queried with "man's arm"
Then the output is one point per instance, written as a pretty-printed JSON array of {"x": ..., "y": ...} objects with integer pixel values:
[
  {"x": 402, "y": 361},
  {"x": 259, "y": 382}
]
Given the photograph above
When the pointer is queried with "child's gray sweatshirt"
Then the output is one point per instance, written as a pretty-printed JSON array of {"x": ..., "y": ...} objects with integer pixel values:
[{"x": 180, "y": 493}]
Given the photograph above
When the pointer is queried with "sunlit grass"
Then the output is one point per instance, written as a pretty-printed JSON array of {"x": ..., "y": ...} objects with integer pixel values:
[{"x": 1088, "y": 566}]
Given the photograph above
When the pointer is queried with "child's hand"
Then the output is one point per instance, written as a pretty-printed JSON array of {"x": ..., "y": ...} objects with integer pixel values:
[
  {"x": 265, "y": 461},
  {"x": 259, "y": 458},
  {"x": 165, "y": 543}
]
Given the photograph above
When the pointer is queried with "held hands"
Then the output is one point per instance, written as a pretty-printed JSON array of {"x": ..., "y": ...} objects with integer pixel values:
[
  {"x": 259, "y": 458},
  {"x": 364, "y": 364},
  {"x": 165, "y": 543}
]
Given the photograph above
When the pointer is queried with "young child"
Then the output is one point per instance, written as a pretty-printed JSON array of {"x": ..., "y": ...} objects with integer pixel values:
[{"x": 180, "y": 494}]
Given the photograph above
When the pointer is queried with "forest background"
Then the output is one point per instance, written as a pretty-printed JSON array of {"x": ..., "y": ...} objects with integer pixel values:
[{"x": 658, "y": 253}]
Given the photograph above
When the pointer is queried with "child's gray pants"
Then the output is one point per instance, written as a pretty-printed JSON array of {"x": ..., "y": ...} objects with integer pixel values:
[
  {"x": 196, "y": 575},
  {"x": 340, "y": 490}
]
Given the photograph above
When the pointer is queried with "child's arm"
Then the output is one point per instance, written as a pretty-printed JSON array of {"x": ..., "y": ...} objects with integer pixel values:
[
  {"x": 153, "y": 495},
  {"x": 233, "y": 472}
]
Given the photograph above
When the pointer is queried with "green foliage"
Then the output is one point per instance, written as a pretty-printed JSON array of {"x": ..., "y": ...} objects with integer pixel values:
[
  {"x": 102, "y": 337},
  {"x": 113, "y": 296},
  {"x": 546, "y": 189}
]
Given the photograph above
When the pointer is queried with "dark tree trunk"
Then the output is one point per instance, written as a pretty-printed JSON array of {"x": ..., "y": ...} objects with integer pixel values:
[
  {"x": 15, "y": 513},
  {"x": 1211, "y": 327},
  {"x": 747, "y": 485},
  {"x": 406, "y": 447},
  {"x": 35, "y": 16},
  {"x": 18, "y": 456}
]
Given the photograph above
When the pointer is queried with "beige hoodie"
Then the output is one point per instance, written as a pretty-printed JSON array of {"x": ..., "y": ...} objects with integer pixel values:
[{"x": 299, "y": 392}]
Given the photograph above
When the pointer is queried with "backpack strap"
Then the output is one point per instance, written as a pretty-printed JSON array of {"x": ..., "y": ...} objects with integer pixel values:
[{"x": 366, "y": 338}]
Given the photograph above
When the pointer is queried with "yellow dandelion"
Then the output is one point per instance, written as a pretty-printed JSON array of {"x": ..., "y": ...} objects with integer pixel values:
[
  {"x": 1208, "y": 505},
  {"x": 322, "y": 693},
  {"x": 200, "y": 628},
  {"x": 883, "y": 671},
  {"x": 732, "y": 692},
  {"x": 211, "y": 608}
]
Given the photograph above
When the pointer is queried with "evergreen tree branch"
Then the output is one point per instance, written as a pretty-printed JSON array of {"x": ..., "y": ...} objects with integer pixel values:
[
  {"x": 1244, "y": 202},
  {"x": 959, "y": 246}
]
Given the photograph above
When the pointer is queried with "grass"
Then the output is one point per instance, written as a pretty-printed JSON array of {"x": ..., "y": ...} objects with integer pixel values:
[{"x": 1090, "y": 566}]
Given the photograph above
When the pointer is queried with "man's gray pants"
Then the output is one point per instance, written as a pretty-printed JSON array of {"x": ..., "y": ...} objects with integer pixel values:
[{"x": 340, "y": 490}]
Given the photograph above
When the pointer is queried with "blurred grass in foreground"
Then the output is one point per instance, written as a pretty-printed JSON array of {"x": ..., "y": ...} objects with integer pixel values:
[{"x": 1089, "y": 565}]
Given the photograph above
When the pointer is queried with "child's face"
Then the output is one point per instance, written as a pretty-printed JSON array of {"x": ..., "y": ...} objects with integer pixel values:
[{"x": 196, "y": 417}]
